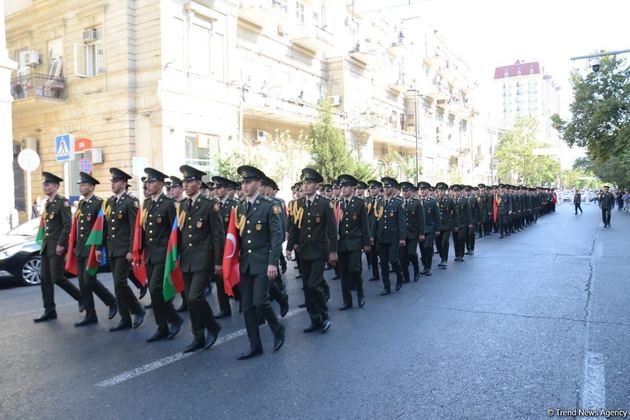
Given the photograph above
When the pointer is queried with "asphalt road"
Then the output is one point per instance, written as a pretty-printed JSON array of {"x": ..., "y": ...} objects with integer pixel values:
[{"x": 535, "y": 322}]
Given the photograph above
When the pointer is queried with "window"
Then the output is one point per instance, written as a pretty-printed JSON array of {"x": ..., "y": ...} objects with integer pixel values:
[
  {"x": 55, "y": 58},
  {"x": 202, "y": 151},
  {"x": 299, "y": 12},
  {"x": 218, "y": 55},
  {"x": 175, "y": 42},
  {"x": 89, "y": 58},
  {"x": 199, "y": 48}
]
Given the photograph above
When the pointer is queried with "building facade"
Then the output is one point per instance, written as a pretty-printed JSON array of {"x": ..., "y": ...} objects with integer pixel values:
[{"x": 194, "y": 81}]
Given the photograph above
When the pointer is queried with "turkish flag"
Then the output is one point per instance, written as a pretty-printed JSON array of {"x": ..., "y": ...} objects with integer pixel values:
[
  {"x": 139, "y": 270},
  {"x": 71, "y": 258},
  {"x": 231, "y": 260}
]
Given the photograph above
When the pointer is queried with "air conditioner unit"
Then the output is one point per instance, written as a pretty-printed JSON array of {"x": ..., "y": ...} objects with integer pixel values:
[
  {"x": 89, "y": 35},
  {"x": 335, "y": 100},
  {"x": 31, "y": 58},
  {"x": 261, "y": 136}
]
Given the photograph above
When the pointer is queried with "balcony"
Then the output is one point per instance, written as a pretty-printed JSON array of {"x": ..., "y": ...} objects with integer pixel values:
[
  {"x": 398, "y": 48},
  {"x": 387, "y": 135},
  {"x": 313, "y": 38},
  {"x": 38, "y": 89},
  {"x": 261, "y": 12},
  {"x": 361, "y": 54},
  {"x": 434, "y": 58},
  {"x": 262, "y": 105},
  {"x": 398, "y": 86}
]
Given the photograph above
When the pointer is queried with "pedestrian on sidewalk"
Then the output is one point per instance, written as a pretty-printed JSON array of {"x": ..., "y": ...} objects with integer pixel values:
[
  {"x": 606, "y": 203},
  {"x": 577, "y": 201}
]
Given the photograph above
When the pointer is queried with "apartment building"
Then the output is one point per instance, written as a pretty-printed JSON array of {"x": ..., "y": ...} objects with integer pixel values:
[{"x": 192, "y": 81}]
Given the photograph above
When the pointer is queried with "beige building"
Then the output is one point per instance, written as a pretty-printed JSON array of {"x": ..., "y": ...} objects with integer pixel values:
[{"x": 192, "y": 81}]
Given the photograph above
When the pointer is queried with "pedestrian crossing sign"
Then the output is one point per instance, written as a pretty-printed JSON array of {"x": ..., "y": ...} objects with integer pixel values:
[{"x": 63, "y": 147}]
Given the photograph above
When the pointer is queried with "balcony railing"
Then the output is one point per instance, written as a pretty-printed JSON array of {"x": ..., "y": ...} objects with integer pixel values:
[{"x": 38, "y": 85}]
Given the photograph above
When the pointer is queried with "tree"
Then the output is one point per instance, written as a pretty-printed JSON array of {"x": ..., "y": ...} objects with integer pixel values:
[
  {"x": 613, "y": 170},
  {"x": 229, "y": 164},
  {"x": 600, "y": 119},
  {"x": 398, "y": 166},
  {"x": 517, "y": 162},
  {"x": 329, "y": 153},
  {"x": 285, "y": 156}
]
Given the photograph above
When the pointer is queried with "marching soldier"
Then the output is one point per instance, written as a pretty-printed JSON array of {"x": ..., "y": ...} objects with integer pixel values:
[
  {"x": 226, "y": 204},
  {"x": 465, "y": 222},
  {"x": 260, "y": 248},
  {"x": 414, "y": 218},
  {"x": 476, "y": 213},
  {"x": 157, "y": 224},
  {"x": 485, "y": 207},
  {"x": 121, "y": 210},
  {"x": 388, "y": 233},
  {"x": 201, "y": 253},
  {"x": 175, "y": 190},
  {"x": 371, "y": 204},
  {"x": 606, "y": 203},
  {"x": 313, "y": 234},
  {"x": 353, "y": 238},
  {"x": 431, "y": 222},
  {"x": 449, "y": 221},
  {"x": 504, "y": 211},
  {"x": 87, "y": 213},
  {"x": 57, "y": 218}
]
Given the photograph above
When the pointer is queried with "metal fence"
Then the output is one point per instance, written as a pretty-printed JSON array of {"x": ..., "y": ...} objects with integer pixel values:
[{"x": 38, "y": 85}]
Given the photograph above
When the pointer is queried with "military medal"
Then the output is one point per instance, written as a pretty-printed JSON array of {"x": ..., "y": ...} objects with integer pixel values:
[
  {"x": 258, "y": 227},
  {"x": 354, "y": 216},
  {"x": 199, "y": 224},
  {"x": 88, "y": 218},
  {"x": 158, "y": 219},
  {"x": 120, "y": 215},
  {"x": 317, "y": 219}
]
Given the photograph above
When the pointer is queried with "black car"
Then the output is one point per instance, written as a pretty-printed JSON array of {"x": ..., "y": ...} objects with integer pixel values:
[{"x": 19, "y": 253}]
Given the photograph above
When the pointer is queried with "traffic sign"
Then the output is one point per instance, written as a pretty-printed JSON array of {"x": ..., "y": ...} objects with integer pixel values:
[
  {"x": 82, "y": 144},
  {"x": 85, "y": 165},
  {"x": 28, "y": 159},
  {"x": 64, "y": 147}
]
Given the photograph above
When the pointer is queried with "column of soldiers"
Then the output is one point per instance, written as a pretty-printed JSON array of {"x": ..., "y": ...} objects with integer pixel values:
[{"x": 324, "y": 224}]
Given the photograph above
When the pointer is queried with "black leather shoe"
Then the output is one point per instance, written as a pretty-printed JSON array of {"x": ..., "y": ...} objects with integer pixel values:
[
  {"x": 284, "y": 308},
  {"x": 386, "y": 292},
  {"x": 374, "y": 279},
  {"x": 467, "y": 253},
  {"x": 302, "y": 305},
  {"x": 86, "y": 321},
  {"x": 47, "y": 316},
  {"x": 113, "y": 310},
  {"x": 416, "y": 277},
  {"x": 212, "y": 337},
  {"x": 193, "y": 346},
  {"x": 299, "y": 276},
  {"x": 81, "y": 307},
  {"x": 361, "y": 301},
  {"x": 326, "y": 326},
  {"x": 222, "y": 315},
  {"x": 398, "y": 285},
  {"x": 428, "y": 273},
  {"x": 423, "y": 272},
  {"x": 121, "y": 326},
  {"x": 157, "y": 336},
  {"x": 149, "y": 306},
  {"x": 174, "y": 328},
  {"x": 138, "y": 319},
  {"x": 336, "y": 278},
  {"x": 143, "y": 292},
  {"x": 312, "y": 328},
  {"x": 250, "y": 354},
  {"x": 278, "y": 340},
  {"x": 442, "y": 264},
  {"x": 345, "y": 307}
]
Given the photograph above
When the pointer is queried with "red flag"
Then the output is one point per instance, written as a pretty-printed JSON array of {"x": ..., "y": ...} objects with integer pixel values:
[
  {"x": 495, "y": 209},
  {"x": 71, "y": 258},
  {"x": 231, "y": 260},
  {"x": 173, "y": 278},
  {"x": 139, "y": 271}
]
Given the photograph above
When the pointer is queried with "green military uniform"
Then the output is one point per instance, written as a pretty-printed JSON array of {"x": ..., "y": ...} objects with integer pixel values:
[
  {"x": 258, "y": 222},
  {"x": 414, "y": 219},
  {"x": 314, "y": 234},
  {"x": 431, "y": 223},
  {"x": 57, "y": 219},
  {"x": 87, "y": 213},
  {"x": 202, "y": 241},
  {"x": 449, "y": 221},
  {"x": 353, "y": 237},
  {"x": 504, "y": 207},
  {"x": 157, "y": 222},
  {"x": 370, "y": 205},
  {"x": 120, "y": 217},
  {"x": 465, "y": 220},
  {"x": 606, "y": 203},
  {"x": 477, "y": 217}
]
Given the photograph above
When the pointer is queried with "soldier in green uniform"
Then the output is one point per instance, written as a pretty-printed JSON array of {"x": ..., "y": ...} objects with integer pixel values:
[
  {"x": 476, "y": 214},
  {"x": 389, "y": 233},
  {"x": 121, "y": 210},
  {"x": 157, "y": 224},
  {"x": 449, "y": 221},
  {"x": 465, "y": 222},
  {"x": 313, "y": 233},
  {"x": 504, "y": 206},
  {"x": 226, "y": 204},
  {"x": 258, "y": 222},
  {"x": 57, "y": 218},
  {"x": 200, "y": 253},
  {"x": 353, "y": 238},
  {"x": 87, "y": 212},
  {"x": 414, "y": 219},
  {"x": 359, "y": 190},
  {"x": 374, "y": 187},
  {"x": 431, "y": 222},
  {"x": 606, "y": 203}
]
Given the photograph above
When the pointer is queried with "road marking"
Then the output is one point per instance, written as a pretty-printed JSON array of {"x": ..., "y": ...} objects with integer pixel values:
[
  {"x": 34, "y": 311},
  {"x": 593, "y": 395},
  {"x": 165, "y": 361}
]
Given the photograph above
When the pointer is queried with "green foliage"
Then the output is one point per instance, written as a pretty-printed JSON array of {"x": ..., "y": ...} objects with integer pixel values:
[
  {"x": 398, "y": 166},
  {"x": 363, "y": 171},
  {"x": 286, "y": 155},
  {"x": 329, "y": 153},
  {"x": 517, "y": 162},
  {"x": 578, "y": 178},
  {"x": 613, "y": 170},
  {"x": 229, "y": 164},
  {"x": 600, "y": 119}
]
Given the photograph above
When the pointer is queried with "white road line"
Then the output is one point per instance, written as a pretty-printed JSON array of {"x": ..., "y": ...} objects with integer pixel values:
[
  {"x": 35, "y": 311},
  {"x": 141, "y": 370},
  {"x": 593, "y": 396}
]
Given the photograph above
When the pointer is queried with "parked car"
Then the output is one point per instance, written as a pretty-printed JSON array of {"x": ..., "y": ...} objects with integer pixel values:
[
  {"x": 19, "y": 253},
  {"x": 567, "y": 196}
]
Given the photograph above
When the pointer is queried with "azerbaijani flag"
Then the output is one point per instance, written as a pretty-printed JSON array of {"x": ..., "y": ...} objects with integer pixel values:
[
  {"x": 71, "y": 258},
  {"x": 139, "y": 269},
  {"x": 173, "y": 279},
  {"x": 231, "y": 260},
  {"x": 95, "y": 240},
  {"x": 39, "y": 239}
]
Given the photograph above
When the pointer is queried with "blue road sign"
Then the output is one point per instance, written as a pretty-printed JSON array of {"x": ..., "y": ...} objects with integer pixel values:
[{"x": 63, "y": 147}]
